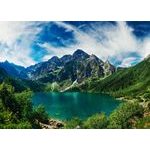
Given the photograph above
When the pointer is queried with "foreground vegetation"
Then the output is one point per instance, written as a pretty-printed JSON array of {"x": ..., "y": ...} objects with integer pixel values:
[
  {"x": 129, "y": 115},
  {"x": 16, "y": 110}
]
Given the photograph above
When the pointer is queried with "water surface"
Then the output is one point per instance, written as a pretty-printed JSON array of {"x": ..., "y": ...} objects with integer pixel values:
[{"x": 74, "y": 104}]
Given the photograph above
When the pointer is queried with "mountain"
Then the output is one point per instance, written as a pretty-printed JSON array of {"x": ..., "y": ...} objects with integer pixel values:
[
  {"x": 12, "y": 69},
  {"x": 20, "y": 84},
  {"x": 78, "y": 66},
  {"x": 3, "y": 74},
  {"x": 133, "y": 81},
  {"x": 42, "y": 69},
  {"x": 80, "y": 55},
  {"x": 66, "y": 58},
  {"x": 83, "y": 72},
  {"x": 66, "y": 70},
  {"x": 10, "y": 73},
  {"x": 109, "y": 68}
]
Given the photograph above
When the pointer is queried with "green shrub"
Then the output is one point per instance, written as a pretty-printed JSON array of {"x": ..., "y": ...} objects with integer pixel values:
[
  {"x": 52, "y": 87},
  {"x": 147, "y": 96},
  {"x": 16, "y": 110},
  {"x": 143, "y": 123},
  {"x": 18, "y": 125},
  {"x": 120, "y": 117},
  {"x": 73, "y": 123},
  {"x": 40, "y": 115},
  {"x": 24, "y": 101},
  {"x": 8, "y": 98},
  {"x": 97, "y": 121}
]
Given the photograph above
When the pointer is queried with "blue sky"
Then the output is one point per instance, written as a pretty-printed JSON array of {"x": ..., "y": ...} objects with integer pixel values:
[{"x": 27, "y": 43}]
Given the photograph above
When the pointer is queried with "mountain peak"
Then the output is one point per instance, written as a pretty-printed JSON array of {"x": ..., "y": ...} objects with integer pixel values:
[
  {"x": 80, "y": 54},
  {"x": 6, "y": 61},
  {"x": 79, "y": 51},
  {"x": 54, "y": 59}
]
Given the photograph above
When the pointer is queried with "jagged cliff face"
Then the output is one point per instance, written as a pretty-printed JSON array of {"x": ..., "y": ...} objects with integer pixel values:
[
  {"x": 42, "y": 69},
  {"x": 78, "y": 66},
  {"x": 108, "y": 68}
]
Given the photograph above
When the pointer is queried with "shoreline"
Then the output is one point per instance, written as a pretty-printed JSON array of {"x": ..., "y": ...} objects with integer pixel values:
[{"x": 52, "y": 124}]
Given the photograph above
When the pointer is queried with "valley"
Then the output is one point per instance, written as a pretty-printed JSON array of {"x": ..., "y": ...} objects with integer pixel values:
[{"x": 83, "y": 73}]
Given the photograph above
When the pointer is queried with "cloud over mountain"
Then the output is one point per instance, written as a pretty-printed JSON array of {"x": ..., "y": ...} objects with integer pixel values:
[{"x": 26, "y": 43}]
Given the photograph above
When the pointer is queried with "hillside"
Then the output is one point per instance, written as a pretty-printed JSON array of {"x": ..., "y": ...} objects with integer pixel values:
[
  {"x": 133, "y": 81},
  {"x": 3, "y": 74},
  {"x": 19, "y": 84},
  {"x": 12, "y": 69}
]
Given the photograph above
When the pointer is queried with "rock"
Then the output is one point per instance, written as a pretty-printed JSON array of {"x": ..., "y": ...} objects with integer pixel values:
[
  {"x": 80, "y": 54},
  {"x": 78, "y": 127},
  {"x": 52, "y": 124},
  {"x": 78, "y": 66}
]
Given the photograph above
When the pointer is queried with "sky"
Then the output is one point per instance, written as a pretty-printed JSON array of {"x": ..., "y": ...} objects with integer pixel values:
[{"x": 122, "y": 43}]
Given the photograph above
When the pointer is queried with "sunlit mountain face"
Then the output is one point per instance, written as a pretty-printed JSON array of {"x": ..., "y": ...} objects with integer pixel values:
[{"x": 124, "y": 44}]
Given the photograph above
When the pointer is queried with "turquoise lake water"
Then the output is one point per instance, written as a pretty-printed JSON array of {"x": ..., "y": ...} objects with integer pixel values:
[{"x": 68, "y": 105}]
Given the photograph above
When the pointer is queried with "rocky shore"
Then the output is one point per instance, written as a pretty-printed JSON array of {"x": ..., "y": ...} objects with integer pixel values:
[{"x": 52, "y": 124}]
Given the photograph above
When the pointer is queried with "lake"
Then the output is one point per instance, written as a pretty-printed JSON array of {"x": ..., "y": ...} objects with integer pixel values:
[{"x": 68, "y": 105}]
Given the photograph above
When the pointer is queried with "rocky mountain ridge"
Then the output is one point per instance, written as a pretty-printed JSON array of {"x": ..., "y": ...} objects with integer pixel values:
[
  {"x": 75, "y": 67},
  {"x": 78, "y": 66}
]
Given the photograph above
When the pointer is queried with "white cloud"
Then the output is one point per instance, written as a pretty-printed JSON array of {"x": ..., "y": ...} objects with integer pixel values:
[
  {"x": 17, "y": 55},
  {"x": 144, "y": 47},
  {"x": 108, "y": 41},
  {"x": 15, "y": 41},
  {"x": 127, "y": 62},
  {"x": 52, "y": 51},
  {"x": 68, "y": 27}
]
